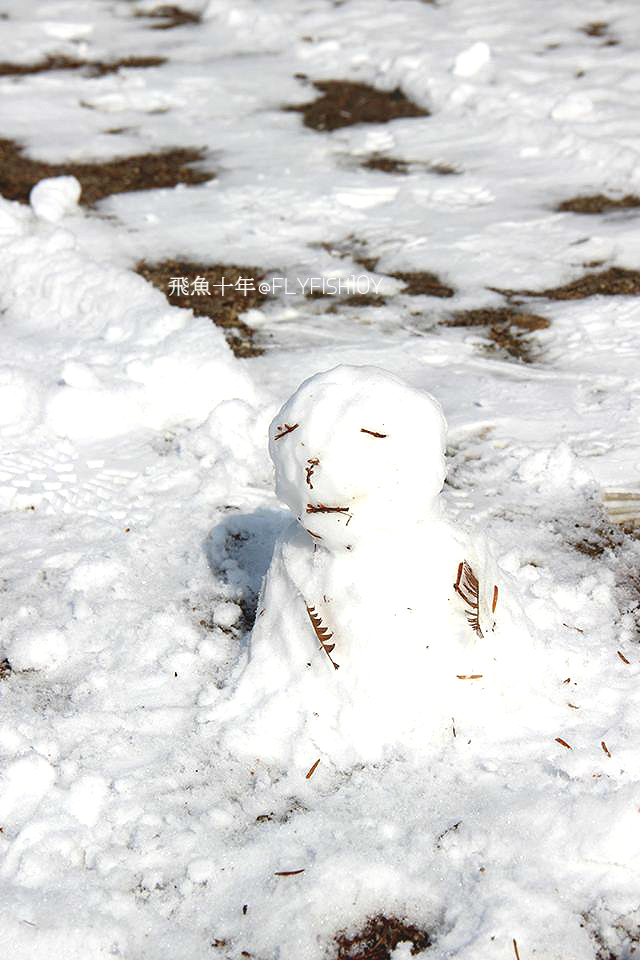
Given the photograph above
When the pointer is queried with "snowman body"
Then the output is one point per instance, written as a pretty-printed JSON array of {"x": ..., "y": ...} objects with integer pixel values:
[{"x": 376, "y": 623}]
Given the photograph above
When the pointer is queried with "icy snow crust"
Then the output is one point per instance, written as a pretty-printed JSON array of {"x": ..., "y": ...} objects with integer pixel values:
[{"x": 139, "y": 517}]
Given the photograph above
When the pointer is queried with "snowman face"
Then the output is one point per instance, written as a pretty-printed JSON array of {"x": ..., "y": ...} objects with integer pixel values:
[{"x": 358, "y": 452}]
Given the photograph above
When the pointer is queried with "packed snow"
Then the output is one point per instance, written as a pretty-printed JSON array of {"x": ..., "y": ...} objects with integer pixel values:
[{"x": 162, "y": 588}]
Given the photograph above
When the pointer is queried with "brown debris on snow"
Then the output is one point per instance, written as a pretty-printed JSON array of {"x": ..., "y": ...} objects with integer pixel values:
[
  {"x": 93, "y": 68},
  {"x": 148, "y": 171},
  {"x": 343, "y": 104}
]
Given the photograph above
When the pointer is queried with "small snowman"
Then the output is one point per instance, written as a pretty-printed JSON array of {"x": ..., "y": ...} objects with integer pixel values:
[{"x": 378, "y": 620}]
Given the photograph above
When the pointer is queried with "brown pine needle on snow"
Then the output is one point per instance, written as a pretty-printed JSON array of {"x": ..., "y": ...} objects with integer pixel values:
[
  {"x": 288, "y": 873},
  {"x": 313, "y": 769},
  {"x": 494, "y": 602},
  {"x": 467, "y": 587},
  {"x": 515, "y": 949},
  {"x": 469, "y": 676},
  {"x": 605, "y": 748},
  {"x": 322, "y": 634},
  {"x": 623, "y": 658},
  {"x": 284, "y": 429},
  {"x": 563, "y": 743}
]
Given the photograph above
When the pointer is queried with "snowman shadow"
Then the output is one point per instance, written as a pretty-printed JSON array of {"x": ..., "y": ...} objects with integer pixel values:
[{"x": 239, "y": 550}]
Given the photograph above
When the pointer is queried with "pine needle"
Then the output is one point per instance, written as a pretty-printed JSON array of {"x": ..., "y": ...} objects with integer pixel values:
[
  {"x": 322, "y": 634},
  {"x": 284, "y": 429},
  {"x": 467, "y": 587},
  {"x": 313, "y": 769}
]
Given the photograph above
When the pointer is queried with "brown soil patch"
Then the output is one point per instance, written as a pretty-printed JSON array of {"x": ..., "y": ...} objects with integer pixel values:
[
  {"x": 507, "y": 329},
  {"x": 94, "y": 68},
  {"x": 369, "y": 263},
  {"x": 597, "y": 28},
  {"x": 420, "y": 283},
  {"x": 344, "y": 104},
  {"x": 598, "y": 203},
  {"x": 364, "y": 300},
  {"x": 614, "y": 282},
  {"x": 385, "y": 164},
  {"x": 497, "y": 315},
  {"x": 379, "y": 938},
  {"x": 223, "y": 307},
  {"x": 148, "y": 171},
  {"x": 171, "y": 17},
  {"x": 444, "y": 169}
]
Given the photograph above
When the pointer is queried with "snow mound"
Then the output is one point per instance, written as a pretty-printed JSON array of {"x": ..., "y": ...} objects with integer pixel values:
[{"x": 130, "y": 360}]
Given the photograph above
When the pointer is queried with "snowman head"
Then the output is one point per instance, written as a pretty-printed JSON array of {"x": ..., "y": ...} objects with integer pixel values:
[{"x": 358, "y": 453}]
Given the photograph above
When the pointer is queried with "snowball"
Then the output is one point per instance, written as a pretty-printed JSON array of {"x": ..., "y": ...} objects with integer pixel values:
[
  {"x": 54, "y": 197},
  {"x": 472, "y": 60}
]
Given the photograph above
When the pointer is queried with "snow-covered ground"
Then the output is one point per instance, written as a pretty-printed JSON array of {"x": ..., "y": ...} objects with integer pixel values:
[{"x": 138, "y": 513}]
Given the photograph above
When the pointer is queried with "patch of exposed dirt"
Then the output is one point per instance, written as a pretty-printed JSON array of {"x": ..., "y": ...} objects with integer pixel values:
[
  {"x": 170, "y": 17},
  {"x": 600, "y": 29},
  {"x": 362, "y": 259},
  {"x": 344, "y": 104},
  {"x": 148, "y": 171},
  {"x": 223, "y": 306},
  {"x": 598, "y": 203},
  {"x": 488, "y": 316},
  {"x": 386, "y": 164},
  {"x": 444, "y": 169},
  {"x": 420, "y": 283},
  {"x": 364, "y": 300},
  {"x": 597, "y": 28},
  {"x": 379, "y": 938},
  {"x": 5, "y": 669},
  {"x": 507, "y": 329},
  {"x": 93, "y": 68},
  {"x": 614, "y": 282}
]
